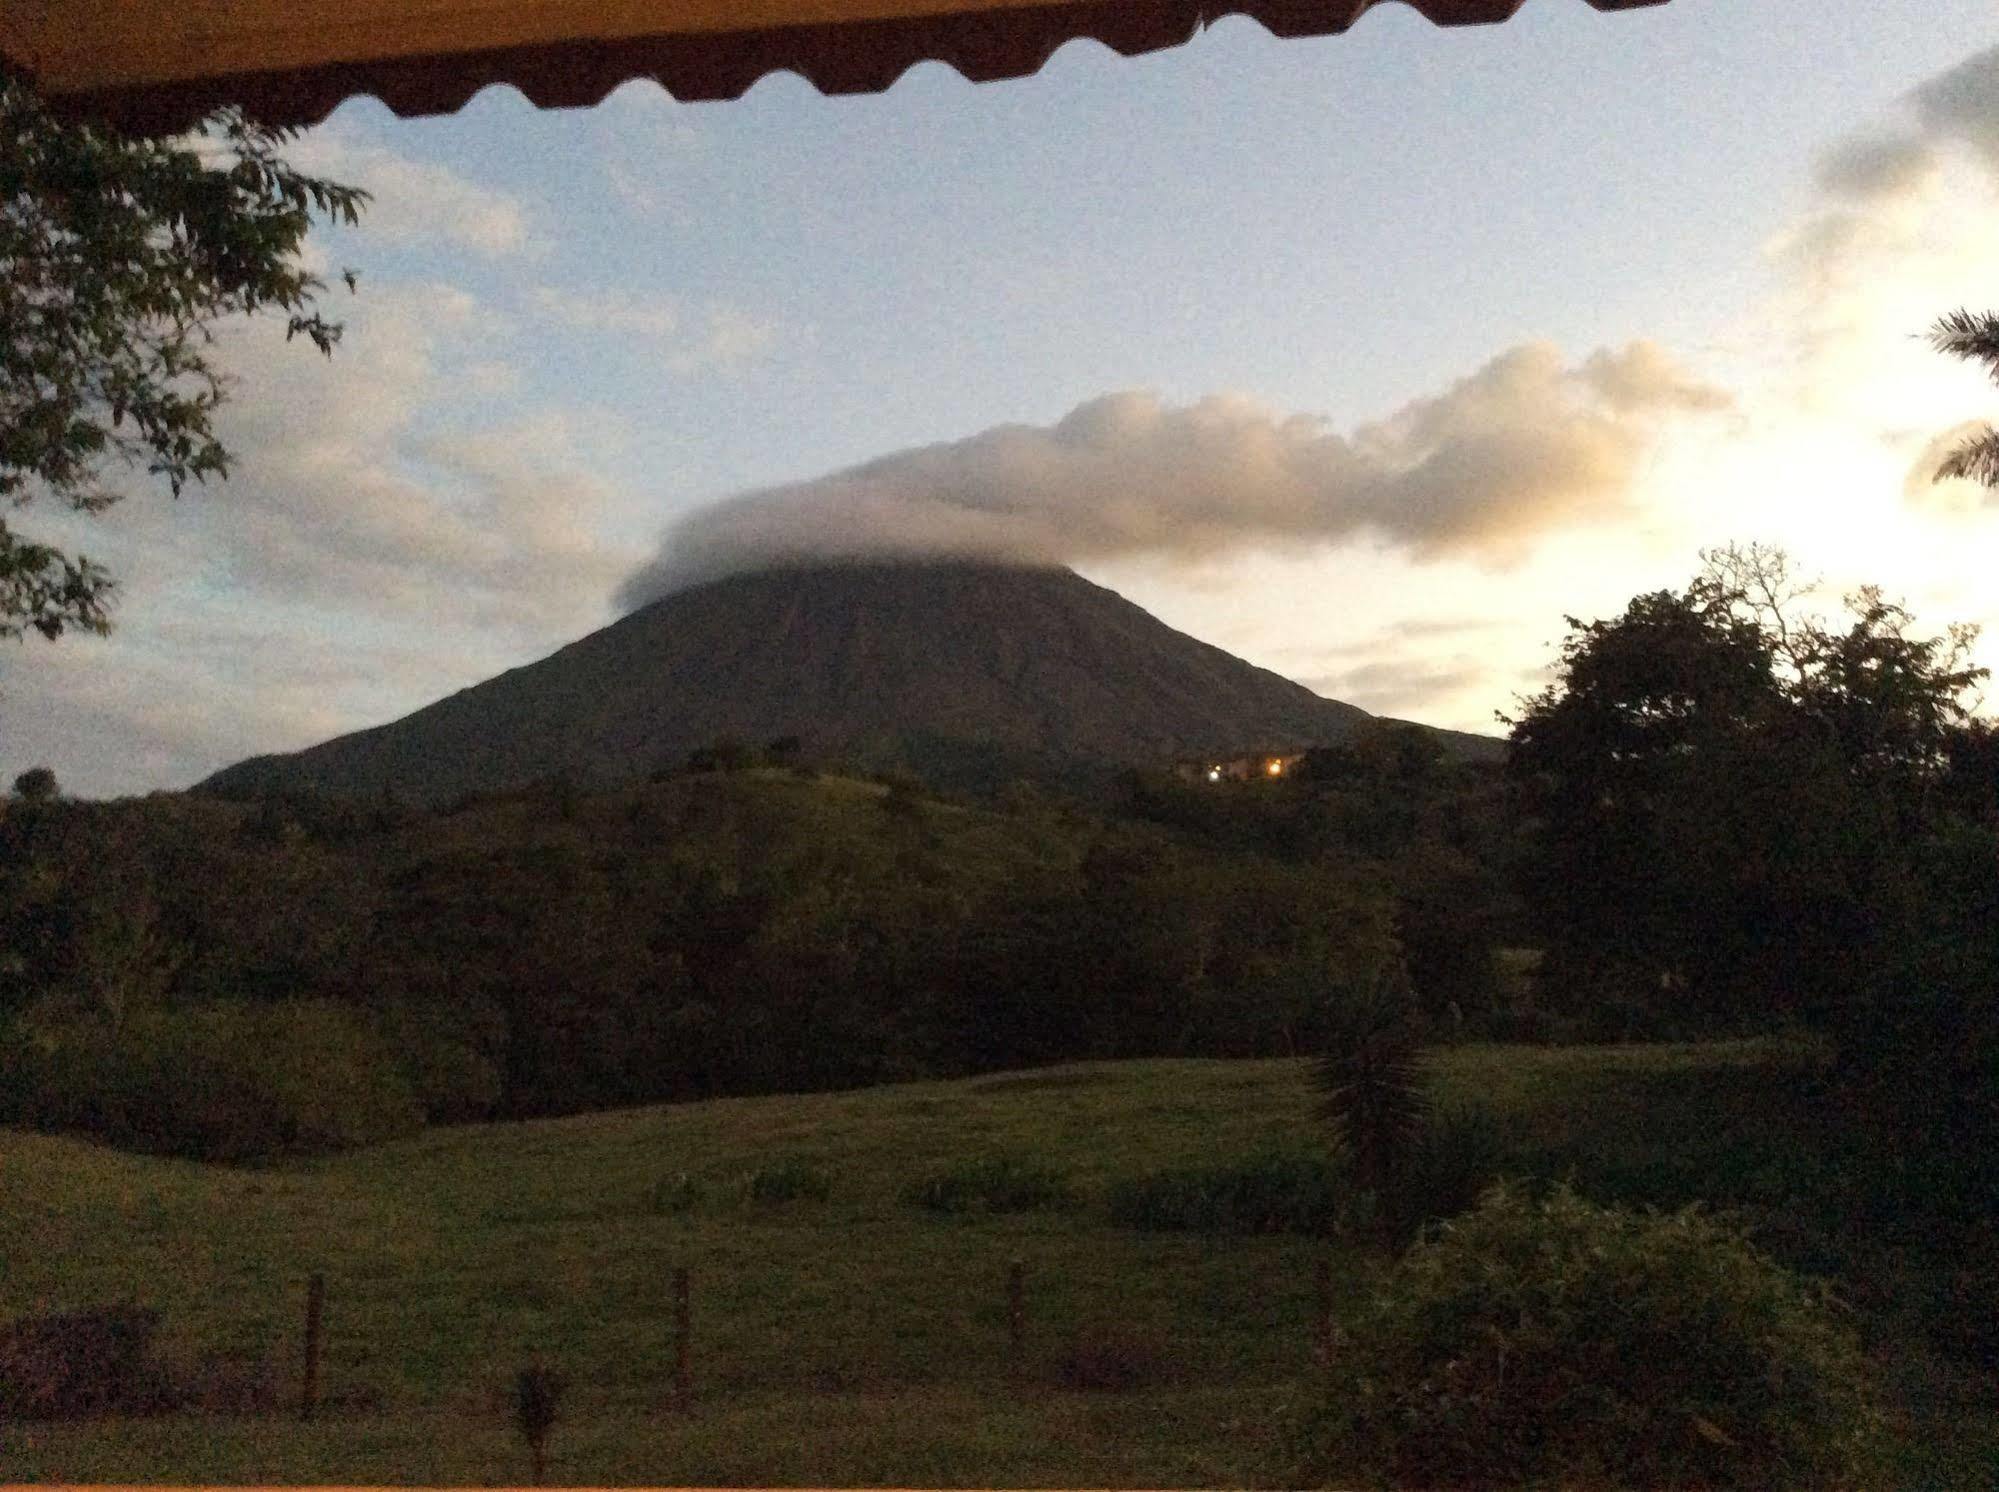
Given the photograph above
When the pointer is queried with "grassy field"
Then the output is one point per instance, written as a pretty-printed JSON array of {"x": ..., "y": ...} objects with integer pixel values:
[{"x": 849, "y": 1339}]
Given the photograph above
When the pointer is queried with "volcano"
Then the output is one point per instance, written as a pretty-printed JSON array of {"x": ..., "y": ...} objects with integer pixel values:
[{"x": 967, "y": 674}]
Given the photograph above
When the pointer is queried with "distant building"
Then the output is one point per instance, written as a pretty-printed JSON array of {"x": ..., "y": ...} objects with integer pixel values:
[{"x": 1255, "y": 766}]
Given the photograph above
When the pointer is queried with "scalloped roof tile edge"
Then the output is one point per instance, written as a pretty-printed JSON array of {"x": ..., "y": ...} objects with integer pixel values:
[{"x": 864, "y": 55}]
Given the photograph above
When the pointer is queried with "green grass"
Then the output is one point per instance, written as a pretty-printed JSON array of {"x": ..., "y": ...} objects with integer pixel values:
[{"x": 849, "y": 1339}]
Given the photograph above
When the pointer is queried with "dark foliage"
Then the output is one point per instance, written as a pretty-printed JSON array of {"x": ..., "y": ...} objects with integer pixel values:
[
  {"x": 793, "y": 1179},
  {"x": 117, "y": 258},
  {"x": 538, "y": 1391},
  {"x": 1115, "y": 1360},
  {"x": 227, "y": 1082},
  {"x": 36, "y": 785},
  {"x": 1557, "y": 1343},
  {"x": 992, "y": 1184},
  {"x": 1281, "y": 1192},
  {"x": 1741, "y": 817},
  {"x": 1370, "y": 1080},
  {"x": 1974, "y": 337},
  {"x": 90, "y": 1362}
]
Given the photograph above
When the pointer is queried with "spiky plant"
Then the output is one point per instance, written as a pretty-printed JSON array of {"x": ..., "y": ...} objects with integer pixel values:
[
  {"x": 1371, "y": 1083},
  {"x": 1973, "y": 337}
]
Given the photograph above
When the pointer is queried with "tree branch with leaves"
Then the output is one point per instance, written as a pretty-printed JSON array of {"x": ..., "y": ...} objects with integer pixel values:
[{"x": 118, "y": 258}]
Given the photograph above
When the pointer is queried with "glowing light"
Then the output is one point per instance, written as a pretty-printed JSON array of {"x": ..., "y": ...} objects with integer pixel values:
[
  {"x": 1275, "y": 767},
  {"x": 1214, "y": 774}
]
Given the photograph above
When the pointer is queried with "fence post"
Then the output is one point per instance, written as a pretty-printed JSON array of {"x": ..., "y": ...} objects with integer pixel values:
[
  {"x": 1016, "y": 1309},
  {"x": 683, "y": 1333},
  {"x": 1323, "y": 1325},
  {"x": 315, "y": 1312}
]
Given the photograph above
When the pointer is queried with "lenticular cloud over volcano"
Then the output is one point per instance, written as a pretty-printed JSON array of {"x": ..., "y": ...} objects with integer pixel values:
[{"x": 1526, "y": 444}]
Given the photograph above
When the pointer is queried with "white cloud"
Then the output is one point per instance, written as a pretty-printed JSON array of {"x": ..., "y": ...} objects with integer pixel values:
[
  {"x": 377, "y": 544},
  {"x": 419, "y": 200},
  {"x": 1526, "y": 444}
]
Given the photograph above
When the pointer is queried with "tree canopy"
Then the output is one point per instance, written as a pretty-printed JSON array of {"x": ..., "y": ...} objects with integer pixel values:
[
  {"x": 1741, "y": 813},
  {"x": 118, "y": 256}
]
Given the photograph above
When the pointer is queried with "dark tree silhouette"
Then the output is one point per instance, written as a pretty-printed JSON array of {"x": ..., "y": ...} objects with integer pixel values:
[{"x": 36, "y": 785}]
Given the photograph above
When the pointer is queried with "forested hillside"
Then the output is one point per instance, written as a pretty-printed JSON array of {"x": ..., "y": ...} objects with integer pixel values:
[{"x": 714, "y": 932}]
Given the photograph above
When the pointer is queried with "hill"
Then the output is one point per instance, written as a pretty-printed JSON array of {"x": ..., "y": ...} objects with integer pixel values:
[{"x": 967, "y": 674}]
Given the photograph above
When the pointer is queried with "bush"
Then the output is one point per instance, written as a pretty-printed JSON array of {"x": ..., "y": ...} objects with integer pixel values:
[
  {"x": 96, "y": 1361},
  {"x": 224, "y": 1082},
  {"x": 103, "y": 1360},
  {"x": 1280, "y": 1192},
  {"x": 1454, "y": 1158},
  {"x": 679, "y": 1192},
  {"x": 1114, "y": 1361},
  {"x": 1557, "y": 1342},
  {"x": 793, "y": 1180},
  {"x": 1001, "y": 1183}
]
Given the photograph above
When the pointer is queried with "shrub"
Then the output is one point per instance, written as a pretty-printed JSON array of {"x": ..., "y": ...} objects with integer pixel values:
[
  {"x": 96, "y": 1361},
  {"x": 1454, "y": 1158},
  {"x": 1001, "y": 1183},
  {"x": 1557, "y": 1342},
  {"x": 679, "y": 1192},
  {"x": 103, "y": 1360},
  {"x": 1279, "y": 1192},
  {"x": 791, "y": 1180},
  {"x": 538, "y": 1391},
  {"x": 1114, "y": 1360},
  {"x": 223, "y": 1082}
]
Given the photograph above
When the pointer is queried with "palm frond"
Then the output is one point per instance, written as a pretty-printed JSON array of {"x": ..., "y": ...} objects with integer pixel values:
[
  {"x": 1977, "y": 459},
  {"x": 1971, "y": 335}
]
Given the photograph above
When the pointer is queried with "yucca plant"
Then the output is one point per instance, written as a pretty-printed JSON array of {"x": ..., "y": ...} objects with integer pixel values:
[
  {"x": 538, "y": 1391},
  {"x": 1370, "y": 1082}
]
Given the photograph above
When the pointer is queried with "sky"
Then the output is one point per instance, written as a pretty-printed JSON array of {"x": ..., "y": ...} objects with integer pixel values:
[{"x": 1368, "y": 358}]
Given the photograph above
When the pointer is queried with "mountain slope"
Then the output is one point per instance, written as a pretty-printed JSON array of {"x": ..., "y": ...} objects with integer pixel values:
[{"x": 968, "y": 669}]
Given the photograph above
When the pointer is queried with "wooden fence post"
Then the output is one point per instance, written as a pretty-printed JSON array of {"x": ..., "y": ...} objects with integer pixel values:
[
  {"x": 1016, "y": 1309},
  {"x": 315, "y": 1313},
  {"x": 683, "y": 1334},
  {"x": 1323, "y": 1325}
]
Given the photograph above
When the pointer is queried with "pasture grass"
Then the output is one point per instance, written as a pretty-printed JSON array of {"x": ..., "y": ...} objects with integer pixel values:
[{"x": 839, "y": 1338}]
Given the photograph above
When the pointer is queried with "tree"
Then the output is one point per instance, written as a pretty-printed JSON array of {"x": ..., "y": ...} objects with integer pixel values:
[
  {"x": 118, "y": 256},
  {"x": 1736, "y": 809},
  {"x": 36, "y": 785},
  {"x": 1614, "y": 763},
  {"x": 1973, "y": 337}
]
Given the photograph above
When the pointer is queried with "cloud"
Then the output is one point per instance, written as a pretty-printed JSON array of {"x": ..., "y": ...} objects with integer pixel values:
[
  {"x": 1957, "y": 108},
  {"x": 1422, "y": 689},
  {"x": 641, "y": 133},
  {"x": 715, "y": 336},
  {"x": 415, "y": 201},
  {"x": 1872, "y": 166},
  {"x": 385, "y": 537},
  {"x": 1962, "y": 105},
  {"x": 1526, "y": 444},
  {"x": 1903, "y": 228}
]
